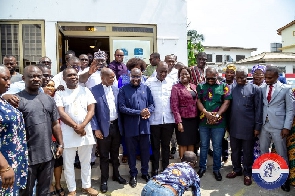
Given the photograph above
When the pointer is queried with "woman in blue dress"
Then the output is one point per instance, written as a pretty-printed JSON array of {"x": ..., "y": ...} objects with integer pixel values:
[{"x": 13, "y": 146}]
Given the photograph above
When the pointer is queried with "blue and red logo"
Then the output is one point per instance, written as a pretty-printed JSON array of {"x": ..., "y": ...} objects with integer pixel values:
[{"x": 270, "y": 171}]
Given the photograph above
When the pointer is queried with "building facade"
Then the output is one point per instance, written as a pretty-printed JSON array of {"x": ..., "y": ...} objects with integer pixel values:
[
  {"x": 287, "y": 33},
  {"x": 32, "y": 29},
  {"x": 221, "y": 55}
]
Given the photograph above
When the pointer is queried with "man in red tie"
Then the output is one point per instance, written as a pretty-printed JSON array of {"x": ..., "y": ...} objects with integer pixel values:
[{"x": 277, "y": 115}]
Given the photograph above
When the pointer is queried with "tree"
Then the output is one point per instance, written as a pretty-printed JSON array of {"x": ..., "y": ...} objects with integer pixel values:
[{"x": 194, "y": 44}]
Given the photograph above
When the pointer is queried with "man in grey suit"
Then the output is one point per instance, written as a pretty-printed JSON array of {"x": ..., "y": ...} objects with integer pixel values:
[{"x": 277, "y": 115}]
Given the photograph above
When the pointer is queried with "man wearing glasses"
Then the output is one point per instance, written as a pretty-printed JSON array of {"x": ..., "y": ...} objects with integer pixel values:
[
  {"x": 73, "y": 62},
  {"x": 213, "y": 101},
  {"x": 84, "y": 61},
  {"x": 117, "y": 65},
  {"x": 46, "y": 61},
  {"x": 10, "y": 63}
]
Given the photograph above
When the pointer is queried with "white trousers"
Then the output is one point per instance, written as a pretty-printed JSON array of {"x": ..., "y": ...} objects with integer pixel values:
[{"x": 69, "y": 154}]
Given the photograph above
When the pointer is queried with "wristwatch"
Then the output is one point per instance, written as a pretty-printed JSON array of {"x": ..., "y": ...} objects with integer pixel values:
[
  {"x": 61, "y": 146},
  {"x": 217, "y": 115}
]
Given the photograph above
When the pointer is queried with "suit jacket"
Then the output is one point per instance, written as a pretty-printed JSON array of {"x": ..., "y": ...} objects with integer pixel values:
[
  {"x": 101, "y": 118},
  {"x": 182, "y": 103},
  {"x": 280, "y": 108}
]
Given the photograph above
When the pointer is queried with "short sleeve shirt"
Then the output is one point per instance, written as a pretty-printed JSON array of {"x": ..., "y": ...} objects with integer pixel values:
[
  {"x": 212, "y": 97},
  {"x": 39, "y": 112},
  {"x": 75, "y": 103}
]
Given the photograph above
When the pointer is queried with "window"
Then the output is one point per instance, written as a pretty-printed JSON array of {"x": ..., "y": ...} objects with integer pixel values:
[
  {"x": 218, "y": 58},
  {"x": 239, "y": 57},
  {"x": 209, "y": 57},
  {"x": 24, "y": 40}
]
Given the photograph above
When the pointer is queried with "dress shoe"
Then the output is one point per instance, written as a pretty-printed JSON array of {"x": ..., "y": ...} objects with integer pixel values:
[
  {"x": 120, "y": 180},
  {"x": 217, "y": 175},
  {"x": 233, "y": 174},
  {"x": 201, "y": 172},
  {"x": 286, "y": 186},
  {"x": 146, "y": 177},
  {"x": 173, "y": 150},
  {"x": 77, "y": 165},
  {"x": 154, "y": 173},
  {"x": 133, "y": 181},
  {"x": 247, "y": 180},
  {"x": 104, "y": 187}
]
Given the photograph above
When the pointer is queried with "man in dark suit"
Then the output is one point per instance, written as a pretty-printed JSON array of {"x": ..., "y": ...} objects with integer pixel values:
[
  {"x": 105, "y": 125},
  {"x": 136, "y": 105}
]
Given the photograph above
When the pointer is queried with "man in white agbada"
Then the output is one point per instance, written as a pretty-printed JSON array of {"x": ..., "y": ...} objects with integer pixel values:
[{"x": 76, "y": 108}]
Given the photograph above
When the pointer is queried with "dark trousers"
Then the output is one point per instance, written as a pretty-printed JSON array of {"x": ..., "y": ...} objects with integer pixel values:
[
  {"x": 248, "y": 148},
  {"x": 161, "y": 136},
  {"x": 41, "y": 172},
  {"x": 109, "y": 145},
  {"x": 224, "y": 148},
  {"x": 143, "y": 141}
]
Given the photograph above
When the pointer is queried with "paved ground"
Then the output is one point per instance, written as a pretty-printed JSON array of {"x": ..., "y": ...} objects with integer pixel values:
[{"x": 209, "y": 186}]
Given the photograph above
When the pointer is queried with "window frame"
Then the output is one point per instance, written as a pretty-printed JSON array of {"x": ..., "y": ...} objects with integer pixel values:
[{"x": 21, "y": 43}]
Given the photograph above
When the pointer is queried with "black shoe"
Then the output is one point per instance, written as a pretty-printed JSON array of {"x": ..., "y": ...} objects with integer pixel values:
[
  {"x": 104, "y": 187},
  {"x": 217, "y": 175},
  {"x": 146, "y": 177},
  {"x": 154, "y": 173},
  {"x": 173, "y": 150},
  {"x": 286, "y": 186},
  {"x": 210, "y": 152},
  {"x": 201, "y": 172},
  {"x": 133, "y": 181},
  {"x": 77, "y": 165},
  {"x": 120, "y": 180},
  {"x": 92, "y": 164}
]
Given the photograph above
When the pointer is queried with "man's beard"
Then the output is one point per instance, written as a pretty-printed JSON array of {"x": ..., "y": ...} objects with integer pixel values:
[{"x": 12, "y": 71}]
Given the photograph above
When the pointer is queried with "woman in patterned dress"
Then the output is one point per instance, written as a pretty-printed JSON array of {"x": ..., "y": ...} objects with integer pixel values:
[
  {"x": 13, "y": 146},
  {"x": 291, "y": 148}
]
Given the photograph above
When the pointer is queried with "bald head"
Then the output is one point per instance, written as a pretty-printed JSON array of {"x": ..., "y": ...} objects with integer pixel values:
[
  {"x": 105, "y": 71},
  {"x": 107, "y": 76},
  {"x": 162, "y": 70},
  {"x": 189, "y": 156},
  {"x": 30, "y": 68},
  {"x": 211, "y": 70}
]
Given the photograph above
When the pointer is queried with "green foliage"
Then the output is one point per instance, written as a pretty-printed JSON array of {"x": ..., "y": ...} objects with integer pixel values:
[{"x": 194, "y": 45}]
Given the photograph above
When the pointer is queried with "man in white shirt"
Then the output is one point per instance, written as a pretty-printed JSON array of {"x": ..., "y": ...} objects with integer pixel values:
[
  {"x": 76, "y": 108},
  {"x": 105, "y": 124},
  {"x": 162, "y": 119},
  {"x": 58, "y": 79}
]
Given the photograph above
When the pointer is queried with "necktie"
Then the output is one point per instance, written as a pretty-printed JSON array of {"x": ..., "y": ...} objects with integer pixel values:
[{"x": 269, "y": 93}]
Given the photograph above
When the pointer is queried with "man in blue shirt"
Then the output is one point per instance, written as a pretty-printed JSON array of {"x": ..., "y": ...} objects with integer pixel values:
[
  {"x": 175, "y": 179},
  {"x": 136, "y": 105}
]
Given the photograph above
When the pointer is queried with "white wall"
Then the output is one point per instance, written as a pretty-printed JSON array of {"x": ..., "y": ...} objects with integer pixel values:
[
  {"x": 288, "y": 38},
  {"x": 289, "y": 65},
  {"x": 232, "y": 53},
  {"x": 169, "y": 15}
]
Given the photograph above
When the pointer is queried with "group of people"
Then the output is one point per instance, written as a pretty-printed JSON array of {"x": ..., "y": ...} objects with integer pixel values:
[{"x": 92, "y": 104}]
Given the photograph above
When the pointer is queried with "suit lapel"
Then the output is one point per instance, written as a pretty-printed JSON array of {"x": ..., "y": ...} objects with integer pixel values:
[
  {"x": 104, "y": 96},
  {"x": 276, "y": 92},
  {"x": 264, "y": 93}
]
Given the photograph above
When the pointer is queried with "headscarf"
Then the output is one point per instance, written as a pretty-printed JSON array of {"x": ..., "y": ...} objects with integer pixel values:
[
  {"x": 260, "y": 67},
  {"x": 231, "y": 67}
]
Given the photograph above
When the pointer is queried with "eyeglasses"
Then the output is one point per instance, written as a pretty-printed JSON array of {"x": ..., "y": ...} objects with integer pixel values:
[
  {"x": 84, "y": 59},
  {"x": 211, "y": 78},
  {"x": 135, "y": 77},
  {"x": 46, "y": 62},
  {"x": 257, "y": 74},
  {"x": 119, "y": 55}
]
